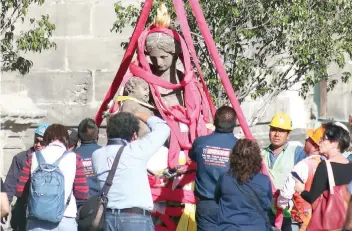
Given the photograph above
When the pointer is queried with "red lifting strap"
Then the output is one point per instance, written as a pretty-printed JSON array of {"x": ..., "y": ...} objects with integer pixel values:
[
  {"x": 181, "y": 15},
  {"x": 204, "y": 29},
  {"x": 197, "y": 99},
  {"x": 126, "y": 60}
]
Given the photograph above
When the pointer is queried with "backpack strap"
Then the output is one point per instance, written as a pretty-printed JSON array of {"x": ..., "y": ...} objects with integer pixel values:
[
  {"x": 40, "y": 158},
  {"x": 57, "y": 162},
  {"x": 68, "y": 199}
]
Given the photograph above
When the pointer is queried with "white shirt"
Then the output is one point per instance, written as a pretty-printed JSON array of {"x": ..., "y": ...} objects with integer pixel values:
[
  {"x": 130, "y": 187},
  {"x": 288, "y": 189},
  {"x": 67, "y": 165}
]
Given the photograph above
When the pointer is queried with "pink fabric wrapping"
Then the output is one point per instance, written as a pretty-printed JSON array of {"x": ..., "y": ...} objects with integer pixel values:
[{"x": 194, "y": 104}]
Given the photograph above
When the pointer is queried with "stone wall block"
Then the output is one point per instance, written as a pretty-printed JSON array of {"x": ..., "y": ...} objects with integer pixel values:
[
  {"x": 75, "y": 1},
  {"x": 54, "y": 87},
  {"x": 68, "y": 114},
  {"x": 11, "y": 82},
  {"x": 103, "y": 54},
  {"x": 137, "y": 3},
  {"x": 101, "y": 28},
  {"x": 74, "y": 114},
  {"x": 102, "y": 82},
  {"x": 13, "y": 142},
  {"x": 71, "y": 18},
  {"x": 53, "y": 59},
  {"x": 8, "y": 155}
]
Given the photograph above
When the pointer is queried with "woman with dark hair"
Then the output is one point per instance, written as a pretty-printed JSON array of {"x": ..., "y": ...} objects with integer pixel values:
[
  {"x": 333, "y": 143},
  {"x": 74, "y": 184},
  {"x": 243, "y": 193}
]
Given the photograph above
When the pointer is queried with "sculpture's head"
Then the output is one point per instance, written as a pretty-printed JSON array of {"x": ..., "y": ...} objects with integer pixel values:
[{"x": 162, "y": 49}]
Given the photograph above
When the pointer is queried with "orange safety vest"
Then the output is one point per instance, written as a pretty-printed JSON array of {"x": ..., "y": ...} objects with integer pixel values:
[{"x": 302, "y": 210}]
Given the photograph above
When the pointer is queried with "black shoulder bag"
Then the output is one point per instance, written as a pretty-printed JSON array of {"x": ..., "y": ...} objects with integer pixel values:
[
  {"x": 255, "y": 204},
  {"x": 92, "y": 213}
]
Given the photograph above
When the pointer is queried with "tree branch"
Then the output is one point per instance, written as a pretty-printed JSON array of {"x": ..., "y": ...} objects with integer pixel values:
[
  {"x": 10, "y": 20},
  {"x": 259, "y": 113},
  {"x": 245, "y": 93}
]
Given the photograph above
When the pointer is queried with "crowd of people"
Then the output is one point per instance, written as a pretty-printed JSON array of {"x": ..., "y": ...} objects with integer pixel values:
[{"x": 306, "y": 188}]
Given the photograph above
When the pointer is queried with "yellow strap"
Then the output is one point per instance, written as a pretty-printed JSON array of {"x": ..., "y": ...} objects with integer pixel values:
[
  {"x": 187, "y": 221},
  {"x": 123, "y": 98}
]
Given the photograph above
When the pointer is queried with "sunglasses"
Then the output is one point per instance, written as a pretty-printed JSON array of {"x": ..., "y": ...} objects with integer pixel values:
[{"x": 41, "y": 142}]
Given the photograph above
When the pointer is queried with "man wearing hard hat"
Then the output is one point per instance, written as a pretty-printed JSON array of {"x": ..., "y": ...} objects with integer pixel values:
[{"x": 280, "y": 157}]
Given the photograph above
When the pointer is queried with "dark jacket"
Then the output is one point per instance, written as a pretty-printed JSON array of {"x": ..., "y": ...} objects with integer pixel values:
[
  {"x": 18, "y": 218},
  {"x": 14, "y": 172},
  {"x": 85, "y": 151},
  {"x": 211, "y": 153},
  {"x": 236, "y": 211}
]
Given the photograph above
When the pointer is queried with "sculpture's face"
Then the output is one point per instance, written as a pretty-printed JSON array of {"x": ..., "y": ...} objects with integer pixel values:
[
  {"x": 161, "y": 60},
  {"x": 163, "y": 51}
]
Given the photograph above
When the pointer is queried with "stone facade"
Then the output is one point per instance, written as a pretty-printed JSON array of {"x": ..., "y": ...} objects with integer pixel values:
[{"x": 69, "y": 83}]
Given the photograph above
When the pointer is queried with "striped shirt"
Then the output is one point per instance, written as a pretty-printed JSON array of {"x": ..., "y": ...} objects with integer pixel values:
[{"x": 75, "y": 178}]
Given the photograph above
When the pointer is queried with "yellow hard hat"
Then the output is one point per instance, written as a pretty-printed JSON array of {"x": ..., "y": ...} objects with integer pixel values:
[{"x": 281, "y": 120}]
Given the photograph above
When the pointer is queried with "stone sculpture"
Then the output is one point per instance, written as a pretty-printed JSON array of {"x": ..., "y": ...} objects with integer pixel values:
[
  {"x": 181, "y": 102},
  {"x": 163, "y": 52}
]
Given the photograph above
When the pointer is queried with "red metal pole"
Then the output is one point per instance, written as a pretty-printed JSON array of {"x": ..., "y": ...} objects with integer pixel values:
[
  {"x": 127, "y": 58},
  {"x": 197, "y": 11},
  {"x": 182, "y": 18}
]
